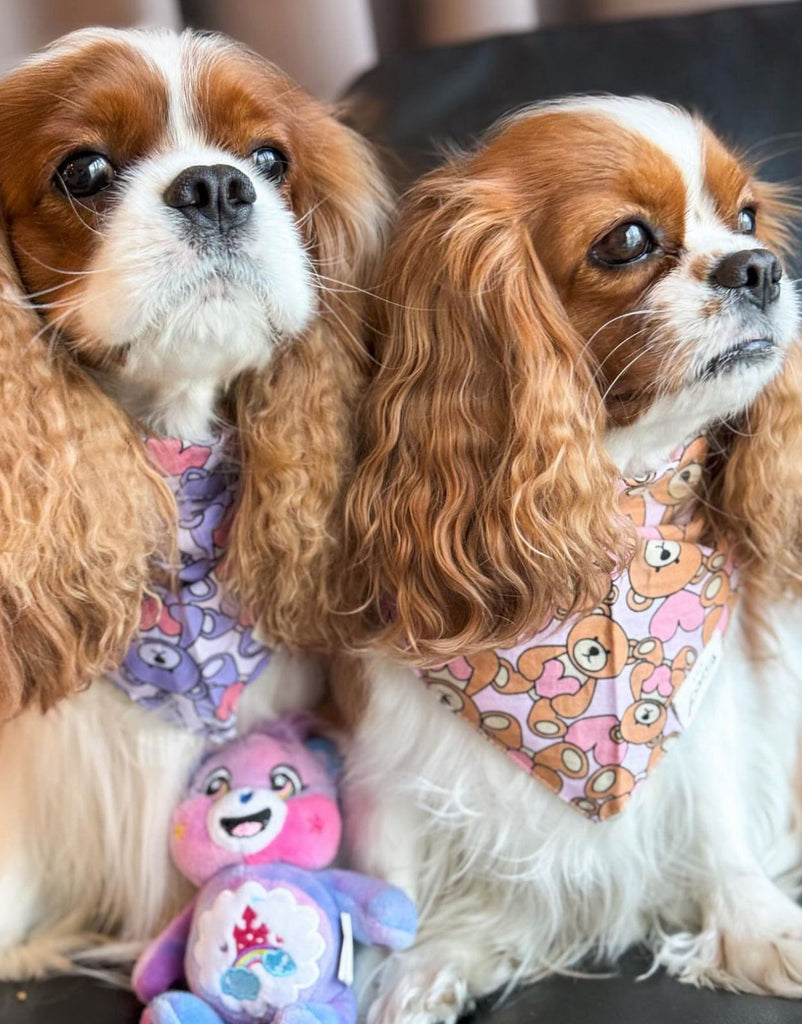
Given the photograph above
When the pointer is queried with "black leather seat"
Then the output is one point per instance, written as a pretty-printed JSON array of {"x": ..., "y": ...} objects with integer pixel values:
[
  {"x": 619, "y": 999},
  {"x": 741, "y": 69},
  {"x": 738, "y": 68}
]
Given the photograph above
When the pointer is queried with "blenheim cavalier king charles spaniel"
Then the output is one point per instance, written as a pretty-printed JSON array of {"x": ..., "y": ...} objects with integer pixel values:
[
  {"x": 189, "y": 235},
  {"x": 576, "y": 527}
]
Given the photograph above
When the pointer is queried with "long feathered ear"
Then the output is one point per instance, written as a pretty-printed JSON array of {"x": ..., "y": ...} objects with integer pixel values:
[
  {"x": 81, "y": 513},
  {"x": 483, "y": 500},
  {"x": 296, "y": 421},
  {"x": 756, "y": 498}
]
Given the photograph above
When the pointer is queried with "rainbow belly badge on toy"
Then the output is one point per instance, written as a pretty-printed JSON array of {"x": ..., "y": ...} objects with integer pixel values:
[
  {"x": 589, "y": 706},
  {"x": 288, "y": 949},
  {"x": 264, "y": 940},
  {"x": 194, "y": 653}
]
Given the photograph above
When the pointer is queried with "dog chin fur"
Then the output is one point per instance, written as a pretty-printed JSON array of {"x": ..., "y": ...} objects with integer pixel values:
[
  {"x": 513, "y": 884},
  {"x": 173, "y": 304}
]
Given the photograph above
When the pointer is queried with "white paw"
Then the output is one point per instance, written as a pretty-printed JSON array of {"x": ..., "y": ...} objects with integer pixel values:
[
  {"x": 757, "y": 948},
  {"x": 418, "y": 995}
]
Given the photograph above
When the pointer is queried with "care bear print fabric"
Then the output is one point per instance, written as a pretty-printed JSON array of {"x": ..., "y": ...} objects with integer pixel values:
[
  {"x": 590, "y": 705},
  {"x": 194, "y": 654}
]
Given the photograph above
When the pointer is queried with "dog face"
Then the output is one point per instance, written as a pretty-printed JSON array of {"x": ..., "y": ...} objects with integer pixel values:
[
  {"x": 160, "y": 204},
  {"x": 193, "y": 231},
  {"x": 661, "y": 246},
  {"x": 594, "y": 285}
]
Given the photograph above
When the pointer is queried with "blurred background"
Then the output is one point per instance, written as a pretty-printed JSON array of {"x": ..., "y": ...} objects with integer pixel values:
[{"x": 324, "y": 44}]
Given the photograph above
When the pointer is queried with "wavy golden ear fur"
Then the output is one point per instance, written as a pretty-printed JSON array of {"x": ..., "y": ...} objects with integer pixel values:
[
  {"x": 756, "y": 494},
  {"x": 296, "y": 421},
  {"x": 483, "y": 499},
  {"x": 81, "y": 514}
]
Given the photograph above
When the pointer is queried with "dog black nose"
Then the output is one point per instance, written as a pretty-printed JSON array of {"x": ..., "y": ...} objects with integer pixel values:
[
  {"x": 216, "y": 197},
  {"x": 754, "y": 272}
]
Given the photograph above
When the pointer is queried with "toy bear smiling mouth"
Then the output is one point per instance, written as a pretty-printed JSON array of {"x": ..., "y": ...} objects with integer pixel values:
[{"x": 247, "y": 825}]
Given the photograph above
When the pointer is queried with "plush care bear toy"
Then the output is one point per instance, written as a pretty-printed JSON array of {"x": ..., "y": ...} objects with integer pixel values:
[{"x": 267, "y": 937}]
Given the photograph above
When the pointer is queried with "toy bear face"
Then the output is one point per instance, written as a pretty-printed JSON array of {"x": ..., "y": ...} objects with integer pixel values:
[{"x": 267, "y": 797}]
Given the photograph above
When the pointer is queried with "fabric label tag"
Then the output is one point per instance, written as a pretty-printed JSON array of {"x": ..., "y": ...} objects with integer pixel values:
[
  {"x": 689, "y": 696},
  {"x": 345, "y": 971}
]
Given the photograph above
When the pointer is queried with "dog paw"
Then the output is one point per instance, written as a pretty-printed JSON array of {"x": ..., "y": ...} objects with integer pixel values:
[
  {"x": 757, "y": 951},
  {"x": 420, "y": 995}
]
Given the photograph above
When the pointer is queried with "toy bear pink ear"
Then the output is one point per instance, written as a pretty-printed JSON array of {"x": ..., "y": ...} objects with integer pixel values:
[
  {"x": 294, "y": 727},
  {"x": 303, "y": 727}
]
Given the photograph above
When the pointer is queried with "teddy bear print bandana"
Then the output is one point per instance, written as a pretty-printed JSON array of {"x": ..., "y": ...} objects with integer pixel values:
[
  {"x": 590, "y": 705},
  {"x": 194, "y": 654}
]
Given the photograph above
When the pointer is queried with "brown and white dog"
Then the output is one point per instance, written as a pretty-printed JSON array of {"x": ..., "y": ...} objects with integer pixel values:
[
  {"x": 593, "y": 285},
  {"x": 192, "y": 230}
]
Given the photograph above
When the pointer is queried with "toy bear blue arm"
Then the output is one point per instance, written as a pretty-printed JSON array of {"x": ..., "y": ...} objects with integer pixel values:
[
  {"x": 381, "y": 915},
  {"x": 161, "y": 963}
]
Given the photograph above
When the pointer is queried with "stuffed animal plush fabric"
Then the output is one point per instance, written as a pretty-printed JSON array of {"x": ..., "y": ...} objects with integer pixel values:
[{"x": 267, "y": 937}]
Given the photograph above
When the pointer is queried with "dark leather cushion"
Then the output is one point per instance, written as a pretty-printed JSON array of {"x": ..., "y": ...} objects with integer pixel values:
[
  {"x": 613, "y": 1000},
  {"x": 739, "y": 68},
  {"x": 623, "y": 999},
  {"x": 67, "y": 1001}
]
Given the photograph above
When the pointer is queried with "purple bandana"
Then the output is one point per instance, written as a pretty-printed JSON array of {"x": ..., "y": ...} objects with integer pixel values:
[{"x": 194, "y": 654}]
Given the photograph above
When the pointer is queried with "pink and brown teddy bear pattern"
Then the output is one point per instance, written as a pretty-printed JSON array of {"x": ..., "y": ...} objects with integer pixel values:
[{"x": 590, "y": 705}]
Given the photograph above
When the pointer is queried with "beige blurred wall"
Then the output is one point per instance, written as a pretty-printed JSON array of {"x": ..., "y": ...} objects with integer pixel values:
[
  {"x": 449, "y": 21},
  {"x": 28, "y": 25},
  {"x": 554, "y": 12},
  {"x": 322, "y": 43}
]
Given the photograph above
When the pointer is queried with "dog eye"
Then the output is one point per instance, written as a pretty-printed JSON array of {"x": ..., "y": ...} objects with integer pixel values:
[
  {"x": 747, "y": 221},
  {"x": 624, "y": 244},
  {"x": 271, "y": 163},
  {"x": 286, "y": 780},
  {"x": 218, "y": 782},
  {"x": 84, "y": 174}
]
